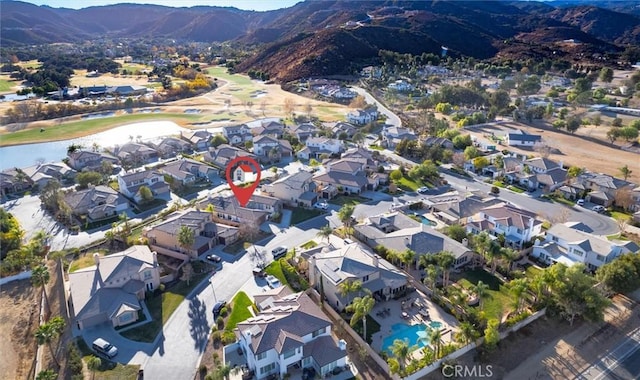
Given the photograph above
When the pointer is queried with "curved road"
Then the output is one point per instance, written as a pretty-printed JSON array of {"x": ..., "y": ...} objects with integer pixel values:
[{"x": 392, "y": 118}]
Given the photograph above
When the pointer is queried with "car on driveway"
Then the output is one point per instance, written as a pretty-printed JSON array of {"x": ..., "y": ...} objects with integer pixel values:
[
  {"x": 218, "y": 307},
  {"x": 214, "y": 258},
  {"x": 598, "y": 209},
  {"x": 580, "y": 202},
  {"x": 321, "y": 205},
  {"x": 273, "y": 281},
  {"x": 279, "y": 251},
  {"x": 423, "y": 190}
]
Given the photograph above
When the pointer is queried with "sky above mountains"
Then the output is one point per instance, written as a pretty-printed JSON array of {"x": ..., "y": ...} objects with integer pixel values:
[{"x": 256, "y": 5}]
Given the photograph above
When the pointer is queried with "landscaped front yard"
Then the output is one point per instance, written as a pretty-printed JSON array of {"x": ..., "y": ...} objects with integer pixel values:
[
  {"x": 299, "y": 214},
  {"x": 498, "y": 302},
  {"x": 342, "y": 200},
  {"x": 240, "y": 305},
  {"x": 108, "y": 370}
]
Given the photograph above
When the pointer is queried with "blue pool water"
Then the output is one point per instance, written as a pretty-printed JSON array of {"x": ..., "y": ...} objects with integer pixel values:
[
  {"x": 428, "y": 222},
  {"x": 416, "y": 335}
]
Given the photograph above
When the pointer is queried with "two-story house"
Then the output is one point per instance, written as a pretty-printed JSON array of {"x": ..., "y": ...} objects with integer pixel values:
[
  {"x": 517, "y": 225},
  {"x": 537, "y": 173},
  {"x": 296, "y": 189},
  {"x": 135, "y": 154},
  {"x": 223, "y": 154},
  {"x": 270, "y": 149},
  {"x": 400, "y": 86},
  {"x": 454, "y": 208},
  {"x": 130, "y": 184},
  {"x": 96, "y": 203},
  {"x": 317, "y": 146},
  {"x": 392, "y": 136},
  {"x": 353, "y": 262},
  {"x": 187, "y": 171},
  {"x": 14, "y": 180},
  {"x": 237, "y": 134},
  {"x": 269, "y": 128},
  {"x": 200, "y": 140},
  {"x": 290, "y": 331},
  {"x": 565, "y": 243},
  {"x": 602, "y": 188},
  {"x": 227, "y": 209},
  {"x": 41, "y": 174},
  {"x": 163, "y": 237},
  {"x": 171, "y": 146},
  {"x": 345, "y": 176},
  {"x": 87, "y": 160},
  {"x": 303, "y": 131},
  {"x": 341, "y": 129},
  {"x": 398, "y": 232},
  {"x": 361, "y": 117},
  {"x": 111, "y": 290}
]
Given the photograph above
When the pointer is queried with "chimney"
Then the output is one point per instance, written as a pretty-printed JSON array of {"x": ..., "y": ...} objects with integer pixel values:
[
  {"x": 96, "y": 259},
  {"x": 465, "y": 242},
  {"x": 155, "y": 258},
  {"x": 376, "y": 260},
  {"x": 342, "y": 344}
]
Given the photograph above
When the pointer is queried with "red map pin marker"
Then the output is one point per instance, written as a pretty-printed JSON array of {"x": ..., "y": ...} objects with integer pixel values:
[{"x": 248, "y": 165}]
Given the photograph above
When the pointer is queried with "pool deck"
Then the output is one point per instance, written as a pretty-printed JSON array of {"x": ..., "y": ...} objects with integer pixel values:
[{"x": 391, "y": 312}]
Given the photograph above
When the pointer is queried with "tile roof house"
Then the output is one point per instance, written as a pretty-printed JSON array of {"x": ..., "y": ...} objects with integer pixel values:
[
  {"x": 346, "y": 175},
  {"x": 399, "y": 232},
  {"x": 111, "y": 290},
  {"x": 220, "y": 156},
  {"x": 517, "y": 225},
  {"x": 42, "y": 173},
  {"x": 295, "y": 189},
  {"x": 290, "y": 330},
  {"x": 14, "y": 180},
  {"x": 172, "y": 146},
  {"x": 453, "y": 208},
  {"x": 83, "y": 159},
  {"x": 341, "y": 127},
  {"x": 198, "y": 139},
  {"x": 135, "y": 154},
  {"x": 317, "y": 146},
  {"x": 187, "y": 171},
  {"x": 163, "y": 237},
  {"x": 303, "y": 131},
  {"x": 270, "y": 149},
  {"x": 536, "y": 173},
  {"x": 566, "y": 244},
  {"x": 269, "y": 128},
  {"x": 392, "y": 136},
  {"x": 227, "y": 209},
  {"x": 237, "y": 134},
  {"x": 96, "y": 203},
  {"x": 602, "y": 188},
  {"x": 364, "y": 116},
  {"x": 439, "y": 141},
  {"x": 364, "y": 156},
  {"x": 130, "y": 184},
  {"x": 352, "y": 262}
]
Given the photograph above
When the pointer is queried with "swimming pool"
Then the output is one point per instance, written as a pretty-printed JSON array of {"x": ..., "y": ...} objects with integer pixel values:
[{"x": 416, "y": 335}]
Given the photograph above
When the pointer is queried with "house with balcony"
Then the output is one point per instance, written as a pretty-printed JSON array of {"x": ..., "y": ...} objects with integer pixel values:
[
  {"x": 237, "y": 134},
  {"x": 565, "y": 243},
  {"x": 399, "y": 232},
  {"x": 354, "y": 262},
  {"x": 296, "y": 190},
  {"x": 517, "y": 225},
  {"x": 80, "y": 160},
  {"x": 111, "y": 290},
  {"x": 187, "y": 171},
  {"x": 200, "y": 140},
  {"x": 317, "y": 146},
  {"x": 135, "y": 154},
  {"x": 270, "y": 149},
  {"x": 130, "y": 184},
  {"x": 290, "y": 331},
  {"x": 226, "y": 209},
  {"x": 96, "y": 203},
  {"x": 170, "y": 147},
  {"x": 163, "y": 237}
]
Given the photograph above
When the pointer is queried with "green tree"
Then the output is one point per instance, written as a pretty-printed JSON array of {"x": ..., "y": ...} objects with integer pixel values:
[
  {"x": 462, "y": 141},
  {"x": 84, "y": 179},
  {"x": 93, "y": 364},
  {"x": 445, "y": 260},
  {"x": 48, "y": 332},
  {"x": 572, "y": 124},
  {"x": 518, "y": 287},
  {"x": 617, "y": 122},
  {"x": 582, "y": 85},
  {"x": 606, "y": 74},
  {"x": 480, "y": 162},
  {"x": 218, "y": 139},
  {"x": 444, "y": 108},
  {"x": 574, "y": 172},
  {"x": 361, "y": 307},
  {"x": 531, "y": 85},
  {"x": 625, "y": 172},
  {"x": 47, "y": 374},
  {"x": 491, "y": 334},
  {"x": 345, "y": 214},
  {"x": 10, "y": 233},
  {"x": 40, "y": 276},
  {"x": 482, "y": 291},
  {"x": 621, "y": 275},
  {"x": 400, "y": 351},
  {"x": 396, "y": 175},
  {"x": 50, "y": 195},
  {"x": 456, "y": 232},
  {"x": 435, "y": 339},
  {"x": 349, "y": 287},
  {"x": 325, "y": 232},
  {"x": 466, "y": 333},
  {"x": 471, "y": 152},
  {"x": 628, "y": 133},
  {"x": 186, "y": 238},
  {"x": 145, "y": 194}
]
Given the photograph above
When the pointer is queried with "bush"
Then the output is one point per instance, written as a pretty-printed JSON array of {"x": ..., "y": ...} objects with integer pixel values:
[
  {"x": 223, "y": 312},
  {"x": 220, "y": 322},
  {"x": 202, "y": 369},
  {"x": 75, "y": 360},
  {"x": 228, "y": 337}
]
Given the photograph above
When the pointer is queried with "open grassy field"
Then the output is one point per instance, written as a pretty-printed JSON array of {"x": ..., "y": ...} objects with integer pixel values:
[
  {"x": 79, "y": 78},
  {"x": 5, "y": 84},
  {"x": 86, "y": 127}
]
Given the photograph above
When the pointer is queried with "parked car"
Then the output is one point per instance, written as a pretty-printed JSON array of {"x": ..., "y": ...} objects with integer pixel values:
[
  {"x": 423, "y": 190},
  {"x": 218, "y": 307},
  {"x": 214, "y": 258},
  {"x": 580, "y": 202},
  {"x": 104, "y": 348},
  {"x": 279, "y": 251},
  {"x": 598, "y": 208},
  {"x": 273, "y": 282},
  {"x": 321, "y": 205}
]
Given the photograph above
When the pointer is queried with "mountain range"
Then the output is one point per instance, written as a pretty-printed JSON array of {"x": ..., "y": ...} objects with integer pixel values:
[{"x": 328, "y": 37}]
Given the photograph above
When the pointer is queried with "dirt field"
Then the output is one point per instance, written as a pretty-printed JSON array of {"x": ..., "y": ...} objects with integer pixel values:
[
  {"x": 575, "y": 149},
  {"x": 18, "y": 321}
]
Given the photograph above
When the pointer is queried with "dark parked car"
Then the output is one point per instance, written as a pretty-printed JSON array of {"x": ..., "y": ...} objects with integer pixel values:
[
  {"x": 214, "y": 258},
  {"x": 218, "y": 307}
]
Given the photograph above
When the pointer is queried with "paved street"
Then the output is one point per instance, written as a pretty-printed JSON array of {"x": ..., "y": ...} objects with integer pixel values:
[
  {"x": 392, "y": 118},
  {"x": 622, "y": 362}
]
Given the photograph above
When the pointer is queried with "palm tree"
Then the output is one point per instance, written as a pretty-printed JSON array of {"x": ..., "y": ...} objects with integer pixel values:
[
  {"x": 350, "y": 287},
  {"x": 494, "y": 253},
  {"x": 48, "y": 332},
  {"x": 482, "y": 291},
  {"x": 407, "y": 257},
  {"x": 325, "y": 232},
  {"x": 48, "y": 374},
  {"x": 537, "y": 287},
  {"x": 94, "y": 363},
  {"x": 510, "y": 255},
  {"x": 518, "y": 287},
  {"x": 400, "y": 350},
  {"x": 345, "y": 214},
  {"x": 481, "y": 243},
  {"x": 40, "y": 276},
  {"x": 458, "y": 299},
  {"x": 361, "y": 307},
  {"x": 445, "y": 259},
  {"x": 186, "y": 237},
  {"x": 467, "y": 333},
  {"x": 435, "y": 337}
]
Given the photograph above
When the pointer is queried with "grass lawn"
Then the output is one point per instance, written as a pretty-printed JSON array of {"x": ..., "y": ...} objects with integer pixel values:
[
  {"x": 299, "y": 214},
  {"x": 308, "y": 245},
  {"x": 83, "y": 262},
  {"x": 6, "y": 85},
  {"x": 408, "y": 184},
  {"x": 87, "y": 127},
  {"x": 221, "y": 72},
  {"x": 161, "y": 308},
  {"x": 275, "y": 269},
  {"x": 617, "y": 215},
  {"x": 342, "y": 200},
  {"x": 499, "y": 300},
  {"x": 372, "y": 328},
  {"x": 375, "y": 147},
  {"x": 240, "y": 305},
  {"x": 515, "y": 189},
  {"x": 108, "y": 370},
  {"x": 531, "y": 272}
]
